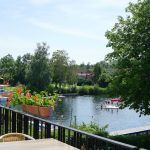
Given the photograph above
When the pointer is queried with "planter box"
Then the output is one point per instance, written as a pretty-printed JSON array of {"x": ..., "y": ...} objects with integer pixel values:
[
  {"x": 31, "y": 109},
  {"x": 44, "y": 111},
  {"x": 39, "y": 111}
]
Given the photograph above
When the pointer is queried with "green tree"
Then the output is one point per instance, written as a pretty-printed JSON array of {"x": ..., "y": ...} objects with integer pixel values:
[
  {"x": 39, "y": 75},
  {"x": 59, "y": 64},
  {"x": 97, "y": 73},
  {"x": 21, "y": 68},
  {"x": 130, "y": 41},
  {"x": 7, "y": 64},
  {"x": 72, "y": 73}
]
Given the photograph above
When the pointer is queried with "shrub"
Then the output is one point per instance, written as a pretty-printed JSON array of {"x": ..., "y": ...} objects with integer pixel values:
[
  {"x": 141, "y": 141},
  {"x": 83, "y": 90},
  {"x": 92, "y": 128}
]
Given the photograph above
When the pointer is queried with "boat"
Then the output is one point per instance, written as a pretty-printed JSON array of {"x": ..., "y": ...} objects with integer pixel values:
[
  {"x": 116, "y": 100},
  {"x": 111, "y": 107}
]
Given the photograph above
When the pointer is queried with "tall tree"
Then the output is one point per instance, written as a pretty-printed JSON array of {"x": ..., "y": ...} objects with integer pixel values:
[
  {"x": 39, "y": 75},
  {"x": 72, "y": 73},
  {"x": 21, "y": 68},
  {"x": 59, "y": 64},
  {"x": 130, "y": 41},
  {"x": 7, "y": 67},
  {"x": 97, "y": 73}
]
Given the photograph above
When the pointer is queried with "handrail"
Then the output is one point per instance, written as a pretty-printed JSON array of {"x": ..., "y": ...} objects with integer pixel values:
[{"x": 72, "y": 129}]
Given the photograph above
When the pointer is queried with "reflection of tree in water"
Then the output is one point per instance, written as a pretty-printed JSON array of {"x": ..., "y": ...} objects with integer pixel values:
[
  {"x": 97, "y": 99},
  {"x": 62, "y": 111}
]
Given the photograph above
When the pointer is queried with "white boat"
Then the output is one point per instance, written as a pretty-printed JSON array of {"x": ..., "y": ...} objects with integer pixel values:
[{"x": 111, "y": 107}]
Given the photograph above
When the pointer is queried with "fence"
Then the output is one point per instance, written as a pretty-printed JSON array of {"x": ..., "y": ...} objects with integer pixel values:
[{"x": 17, "y": 121}]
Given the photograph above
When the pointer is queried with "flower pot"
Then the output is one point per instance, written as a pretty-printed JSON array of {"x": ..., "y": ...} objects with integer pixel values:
[
  {"x": 24, "y": 107},
  {"x": 32, "y": 109},
  {"x": 44, "y": 112}
]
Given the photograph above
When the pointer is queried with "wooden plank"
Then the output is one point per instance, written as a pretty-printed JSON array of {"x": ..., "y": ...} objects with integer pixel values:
[{"x": 131, "y": 130}]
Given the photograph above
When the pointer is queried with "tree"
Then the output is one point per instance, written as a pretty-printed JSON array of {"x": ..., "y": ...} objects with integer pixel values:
[
  {"x": 130, "y": 41},
  {"x": 21, "y": 68},
  {"x": 59, "y": 62},
  {"x": 96, "y": 73},
  {"x": 72, "y": 73},
  {"x": 39, "y": 75},
  {"x": 7, "y": 64}
]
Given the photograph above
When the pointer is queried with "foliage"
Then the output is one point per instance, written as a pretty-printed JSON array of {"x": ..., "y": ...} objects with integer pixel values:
[
  {"x": 22, "y": 96},
  {"x": 141, "y": 141},
  {"x": 7, "y": 64},
  {"x": 129, "y": 40},
  {"x": 21, "y": 68},
  {"x": 91, "y": 90},
  {"x": 71, "y": 76},
  {"x": 92, "y": 128},
  {"x": 59, "y": 62},
  {"x": 39, "y": 75},
  {"x": 96, "y": 73}
]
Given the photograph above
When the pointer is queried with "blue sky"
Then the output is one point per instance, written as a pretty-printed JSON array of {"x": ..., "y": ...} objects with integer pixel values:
[{"x": 75, "y": 26}]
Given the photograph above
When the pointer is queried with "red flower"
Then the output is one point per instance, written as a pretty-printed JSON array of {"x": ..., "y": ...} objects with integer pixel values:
[
  {"x": 10, "y": 95},
  {"x": 35, "y": 98},
  {"x": 8, "y": 103},
  {"x": 19, "y": 90},
  {"x": 28, "y": 95}
]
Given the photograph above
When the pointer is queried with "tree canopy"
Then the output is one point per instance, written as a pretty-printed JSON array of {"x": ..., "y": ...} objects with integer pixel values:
[
  {"x": 39, "y": 75},
  {"x": 7, "y": 64},
  {"x": 59, "y": 62},
  {"x": 130, "y": 41}
]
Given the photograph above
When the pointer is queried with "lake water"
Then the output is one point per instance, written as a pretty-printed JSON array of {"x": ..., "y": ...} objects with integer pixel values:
[{"x": 84, "y": 109}]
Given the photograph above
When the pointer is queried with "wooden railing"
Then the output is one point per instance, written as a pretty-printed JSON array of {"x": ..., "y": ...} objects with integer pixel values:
[{"x": 16, "y": 121}]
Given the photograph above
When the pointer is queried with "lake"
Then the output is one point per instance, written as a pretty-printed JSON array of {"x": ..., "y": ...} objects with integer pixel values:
[{"x": 84, "y": 109}]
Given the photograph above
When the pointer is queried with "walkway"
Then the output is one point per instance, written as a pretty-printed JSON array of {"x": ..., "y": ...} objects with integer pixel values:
[{"x": 131, "y": 131}]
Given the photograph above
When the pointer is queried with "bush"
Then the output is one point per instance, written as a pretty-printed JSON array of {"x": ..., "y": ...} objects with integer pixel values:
[
  {"x": 83, "y": 90},
  {"x": 141, "y": 141},
  {"x": 92, "y": 128},
  {"x": 91, "y": 90},
  {"x": 51, "y": 89}
]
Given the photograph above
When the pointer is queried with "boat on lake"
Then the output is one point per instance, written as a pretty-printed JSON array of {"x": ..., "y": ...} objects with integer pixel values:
[{"x": 116, "y": 100}]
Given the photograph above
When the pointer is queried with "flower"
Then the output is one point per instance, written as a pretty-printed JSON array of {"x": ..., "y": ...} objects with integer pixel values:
[
  {"x": 19, "y": 97},
  {"x": 19, "y": 90},
  {"x": 28, "y": 95},
  {"x": 8, "y": 103},
  {"x": 35, "y": 98}
]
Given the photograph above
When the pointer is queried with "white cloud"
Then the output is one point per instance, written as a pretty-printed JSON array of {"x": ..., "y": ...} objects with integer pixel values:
[{"x": 68, "y": 31}]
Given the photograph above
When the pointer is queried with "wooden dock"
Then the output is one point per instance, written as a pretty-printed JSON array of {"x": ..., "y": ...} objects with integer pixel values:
[{"x": 131, "y": 131}]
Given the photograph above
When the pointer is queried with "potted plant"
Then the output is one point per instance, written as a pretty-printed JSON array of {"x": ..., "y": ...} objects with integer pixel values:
[
  {"x": 37, "y": 104},
  {"x": 46, "y": 107}
]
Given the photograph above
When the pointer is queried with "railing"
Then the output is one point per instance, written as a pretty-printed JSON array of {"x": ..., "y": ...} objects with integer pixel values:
[
  {"x": 17, "y": 121},
  {"x": 139, "y": 133}
]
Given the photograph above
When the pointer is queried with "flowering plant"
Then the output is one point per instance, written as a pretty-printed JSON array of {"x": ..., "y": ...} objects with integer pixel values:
[{"x": 20, "y": 96}]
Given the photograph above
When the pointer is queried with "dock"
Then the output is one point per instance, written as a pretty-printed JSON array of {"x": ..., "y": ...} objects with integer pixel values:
[{"x": 138, "y": 130}]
